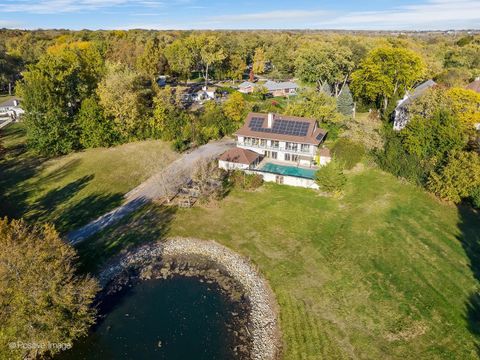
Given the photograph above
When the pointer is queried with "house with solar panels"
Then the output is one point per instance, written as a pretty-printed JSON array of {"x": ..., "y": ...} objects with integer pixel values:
[{"x": 283, "y": 149}]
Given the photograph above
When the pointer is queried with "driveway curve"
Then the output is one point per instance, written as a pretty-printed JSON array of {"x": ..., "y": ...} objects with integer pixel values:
[{"x": 163, "y": 183}]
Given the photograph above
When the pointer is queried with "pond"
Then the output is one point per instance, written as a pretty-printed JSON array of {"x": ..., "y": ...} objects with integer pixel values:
[{"x": 177, "y": 318}]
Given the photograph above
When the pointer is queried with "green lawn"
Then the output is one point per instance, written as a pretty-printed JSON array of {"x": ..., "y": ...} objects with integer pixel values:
[
  {"x": 71, "y": 190},
  {"x": 386, "y": 272}
]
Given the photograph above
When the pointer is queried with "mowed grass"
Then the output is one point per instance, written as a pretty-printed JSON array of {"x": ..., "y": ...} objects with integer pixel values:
[
  {"x": 71, "y": 190},
  {"x": 385, "y": 272}
]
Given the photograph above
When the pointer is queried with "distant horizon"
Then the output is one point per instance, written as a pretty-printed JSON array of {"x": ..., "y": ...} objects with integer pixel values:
[
  {"x": 328, "y": 15},
  {"x": 477, "y": 30}
]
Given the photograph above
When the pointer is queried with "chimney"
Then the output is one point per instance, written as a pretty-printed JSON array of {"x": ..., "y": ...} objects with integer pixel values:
[{"x": 270, "y": 118}]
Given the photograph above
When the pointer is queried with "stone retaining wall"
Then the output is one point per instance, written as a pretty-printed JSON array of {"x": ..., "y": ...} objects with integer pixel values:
[{"x": 263, "y": 318}]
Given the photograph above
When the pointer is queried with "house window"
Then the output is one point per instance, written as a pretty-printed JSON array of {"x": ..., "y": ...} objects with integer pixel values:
[
  {"x": 267, "y": 154},
  {"x": 291, "y": 146},
  {"x": 291, "y": 157},
  {"x": 275, "y": 144},
  {"x": 274, "y": 154},
  {"x": 263, "y": 142},
  {"x": 254, "y": 141},
  {"x": 305, "y": 148}
]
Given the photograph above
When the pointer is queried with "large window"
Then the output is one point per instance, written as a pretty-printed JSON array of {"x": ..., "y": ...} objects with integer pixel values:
[
  {"x": 305, "y": 148},
  {"x": 291, "y": 146},
  {"x": 275, "y": 144},
  {"x": 274, "y": 154},
  {"x": 291, "y": 157},
  {"x": 263, "y": 142}
]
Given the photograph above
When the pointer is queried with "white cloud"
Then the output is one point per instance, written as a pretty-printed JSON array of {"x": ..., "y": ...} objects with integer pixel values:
[
  {"x": 434, "y": 14},
  {"x": 66, "y": 6}
]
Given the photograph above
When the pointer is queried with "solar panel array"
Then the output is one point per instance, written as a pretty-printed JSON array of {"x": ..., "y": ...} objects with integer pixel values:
[{"x": 280, "y": 126}]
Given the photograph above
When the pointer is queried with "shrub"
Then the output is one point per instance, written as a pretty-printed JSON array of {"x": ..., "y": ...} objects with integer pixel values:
[
  {"x": 475, "y": 196},
  {"x": 242, "y": 180},
  {"x": 180, "y": 145},
  {"x": 394, "y": 159},
  {"x": 331, "y": 178},
  {"x": 349, "y": 153},
  {"x": 458, "y": 179}
]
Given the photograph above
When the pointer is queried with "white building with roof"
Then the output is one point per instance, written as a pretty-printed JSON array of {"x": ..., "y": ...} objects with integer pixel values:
[
  {"x": 284, "y": 149},
  {"x": 401, "y": 111}
]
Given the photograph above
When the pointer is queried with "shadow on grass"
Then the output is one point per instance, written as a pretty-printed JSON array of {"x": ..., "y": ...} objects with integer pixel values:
[
  {"x": 470, "y": 238},
  {"x": 16, "y": 168},
  {"x": 150, "y": 223},
  {"x": 86, "y": 210}
]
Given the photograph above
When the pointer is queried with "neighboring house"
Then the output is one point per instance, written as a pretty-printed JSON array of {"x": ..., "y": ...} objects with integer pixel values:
[
  {"x": 401, "y": 111},
  {"x": 475, "y": 85},
  {"x": 246, "y": 87},
  {"x": 286, "y": 88},
  {"x": 11, "y": 109},
  {"x": 283, "y": 149},
  {"x": 203, "y": 95}
]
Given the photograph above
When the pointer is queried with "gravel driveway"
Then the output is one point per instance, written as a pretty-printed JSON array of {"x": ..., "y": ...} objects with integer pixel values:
[{"x": 162, "y": 183}]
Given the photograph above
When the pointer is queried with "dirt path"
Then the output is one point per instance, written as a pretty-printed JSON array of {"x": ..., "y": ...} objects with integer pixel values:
[{"x": 158, "y": 185}]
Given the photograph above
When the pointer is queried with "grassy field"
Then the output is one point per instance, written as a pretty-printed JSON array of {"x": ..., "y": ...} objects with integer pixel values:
[
  {"x": 386, "y": 272},
  {"x": 71, "y": 190}
]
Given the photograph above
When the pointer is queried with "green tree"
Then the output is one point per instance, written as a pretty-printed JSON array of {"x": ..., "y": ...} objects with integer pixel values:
[
  {"x": 124, "y": 97},
  {"x": 458, "y": 179},
  {"x": 315, "y": 104},
  {"x": 42, "y": 299},
  {"x": 52, "y": 91},
  {"x": 324, "y": 63},
  {"x": 330, "y": 178},
  {"x": 431, "y": 139},
  {"x": 345, "y": 103},
  {"x": 259, "y": 61},
  {"x": 475, "y": 196},
  {"x": 95, "y": 128},
  {"x": 152, "y": 62},
  {"x": 167, "y": 120},
  {"x": 210, "y": 52},
  {"x": 235, "y": 107},
  {"x": 386, "y": 73},
  {"x": 181, "y": 58}
]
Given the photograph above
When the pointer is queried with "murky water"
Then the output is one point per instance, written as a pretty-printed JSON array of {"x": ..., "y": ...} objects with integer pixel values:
[{"x": 175, "y": 319}]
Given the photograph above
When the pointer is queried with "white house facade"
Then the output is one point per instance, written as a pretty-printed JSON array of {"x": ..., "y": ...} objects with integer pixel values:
[
  {"x": 287, "y": 149},
  {"x": 401, "y": 111}
]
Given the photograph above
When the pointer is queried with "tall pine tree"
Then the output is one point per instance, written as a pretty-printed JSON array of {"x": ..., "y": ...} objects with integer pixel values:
[{"x": 345, "y": 101}]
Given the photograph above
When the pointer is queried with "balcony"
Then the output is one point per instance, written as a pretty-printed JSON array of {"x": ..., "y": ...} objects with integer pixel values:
[{"x": 276, "y": 148}]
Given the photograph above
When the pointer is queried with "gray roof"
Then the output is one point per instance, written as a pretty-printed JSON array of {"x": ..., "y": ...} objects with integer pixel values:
[
  {"x": 272, "y": 85},
  {"x": 416, "y": 93},
  {"x": 10, "y": 103},
  {"x": 246, "y": 84}
]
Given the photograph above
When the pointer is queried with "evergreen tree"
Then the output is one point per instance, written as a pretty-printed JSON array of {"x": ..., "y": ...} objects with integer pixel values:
[
  {"x": 331, "y": 178},
  {"x": 345, "y": 102}
]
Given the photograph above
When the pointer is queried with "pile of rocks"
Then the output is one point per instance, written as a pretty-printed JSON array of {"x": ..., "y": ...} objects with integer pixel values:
[{"x": 263, "y": 320}]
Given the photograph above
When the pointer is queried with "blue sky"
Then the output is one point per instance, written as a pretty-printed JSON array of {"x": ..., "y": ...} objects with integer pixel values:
[{"x": 241, "y": 14}]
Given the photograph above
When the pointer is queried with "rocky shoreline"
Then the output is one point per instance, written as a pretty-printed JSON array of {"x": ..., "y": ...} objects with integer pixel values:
[{"x": 255, "y": 324}]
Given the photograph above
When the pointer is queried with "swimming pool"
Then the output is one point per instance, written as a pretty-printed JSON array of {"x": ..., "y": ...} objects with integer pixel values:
[{"x": 289, "y": 170}]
